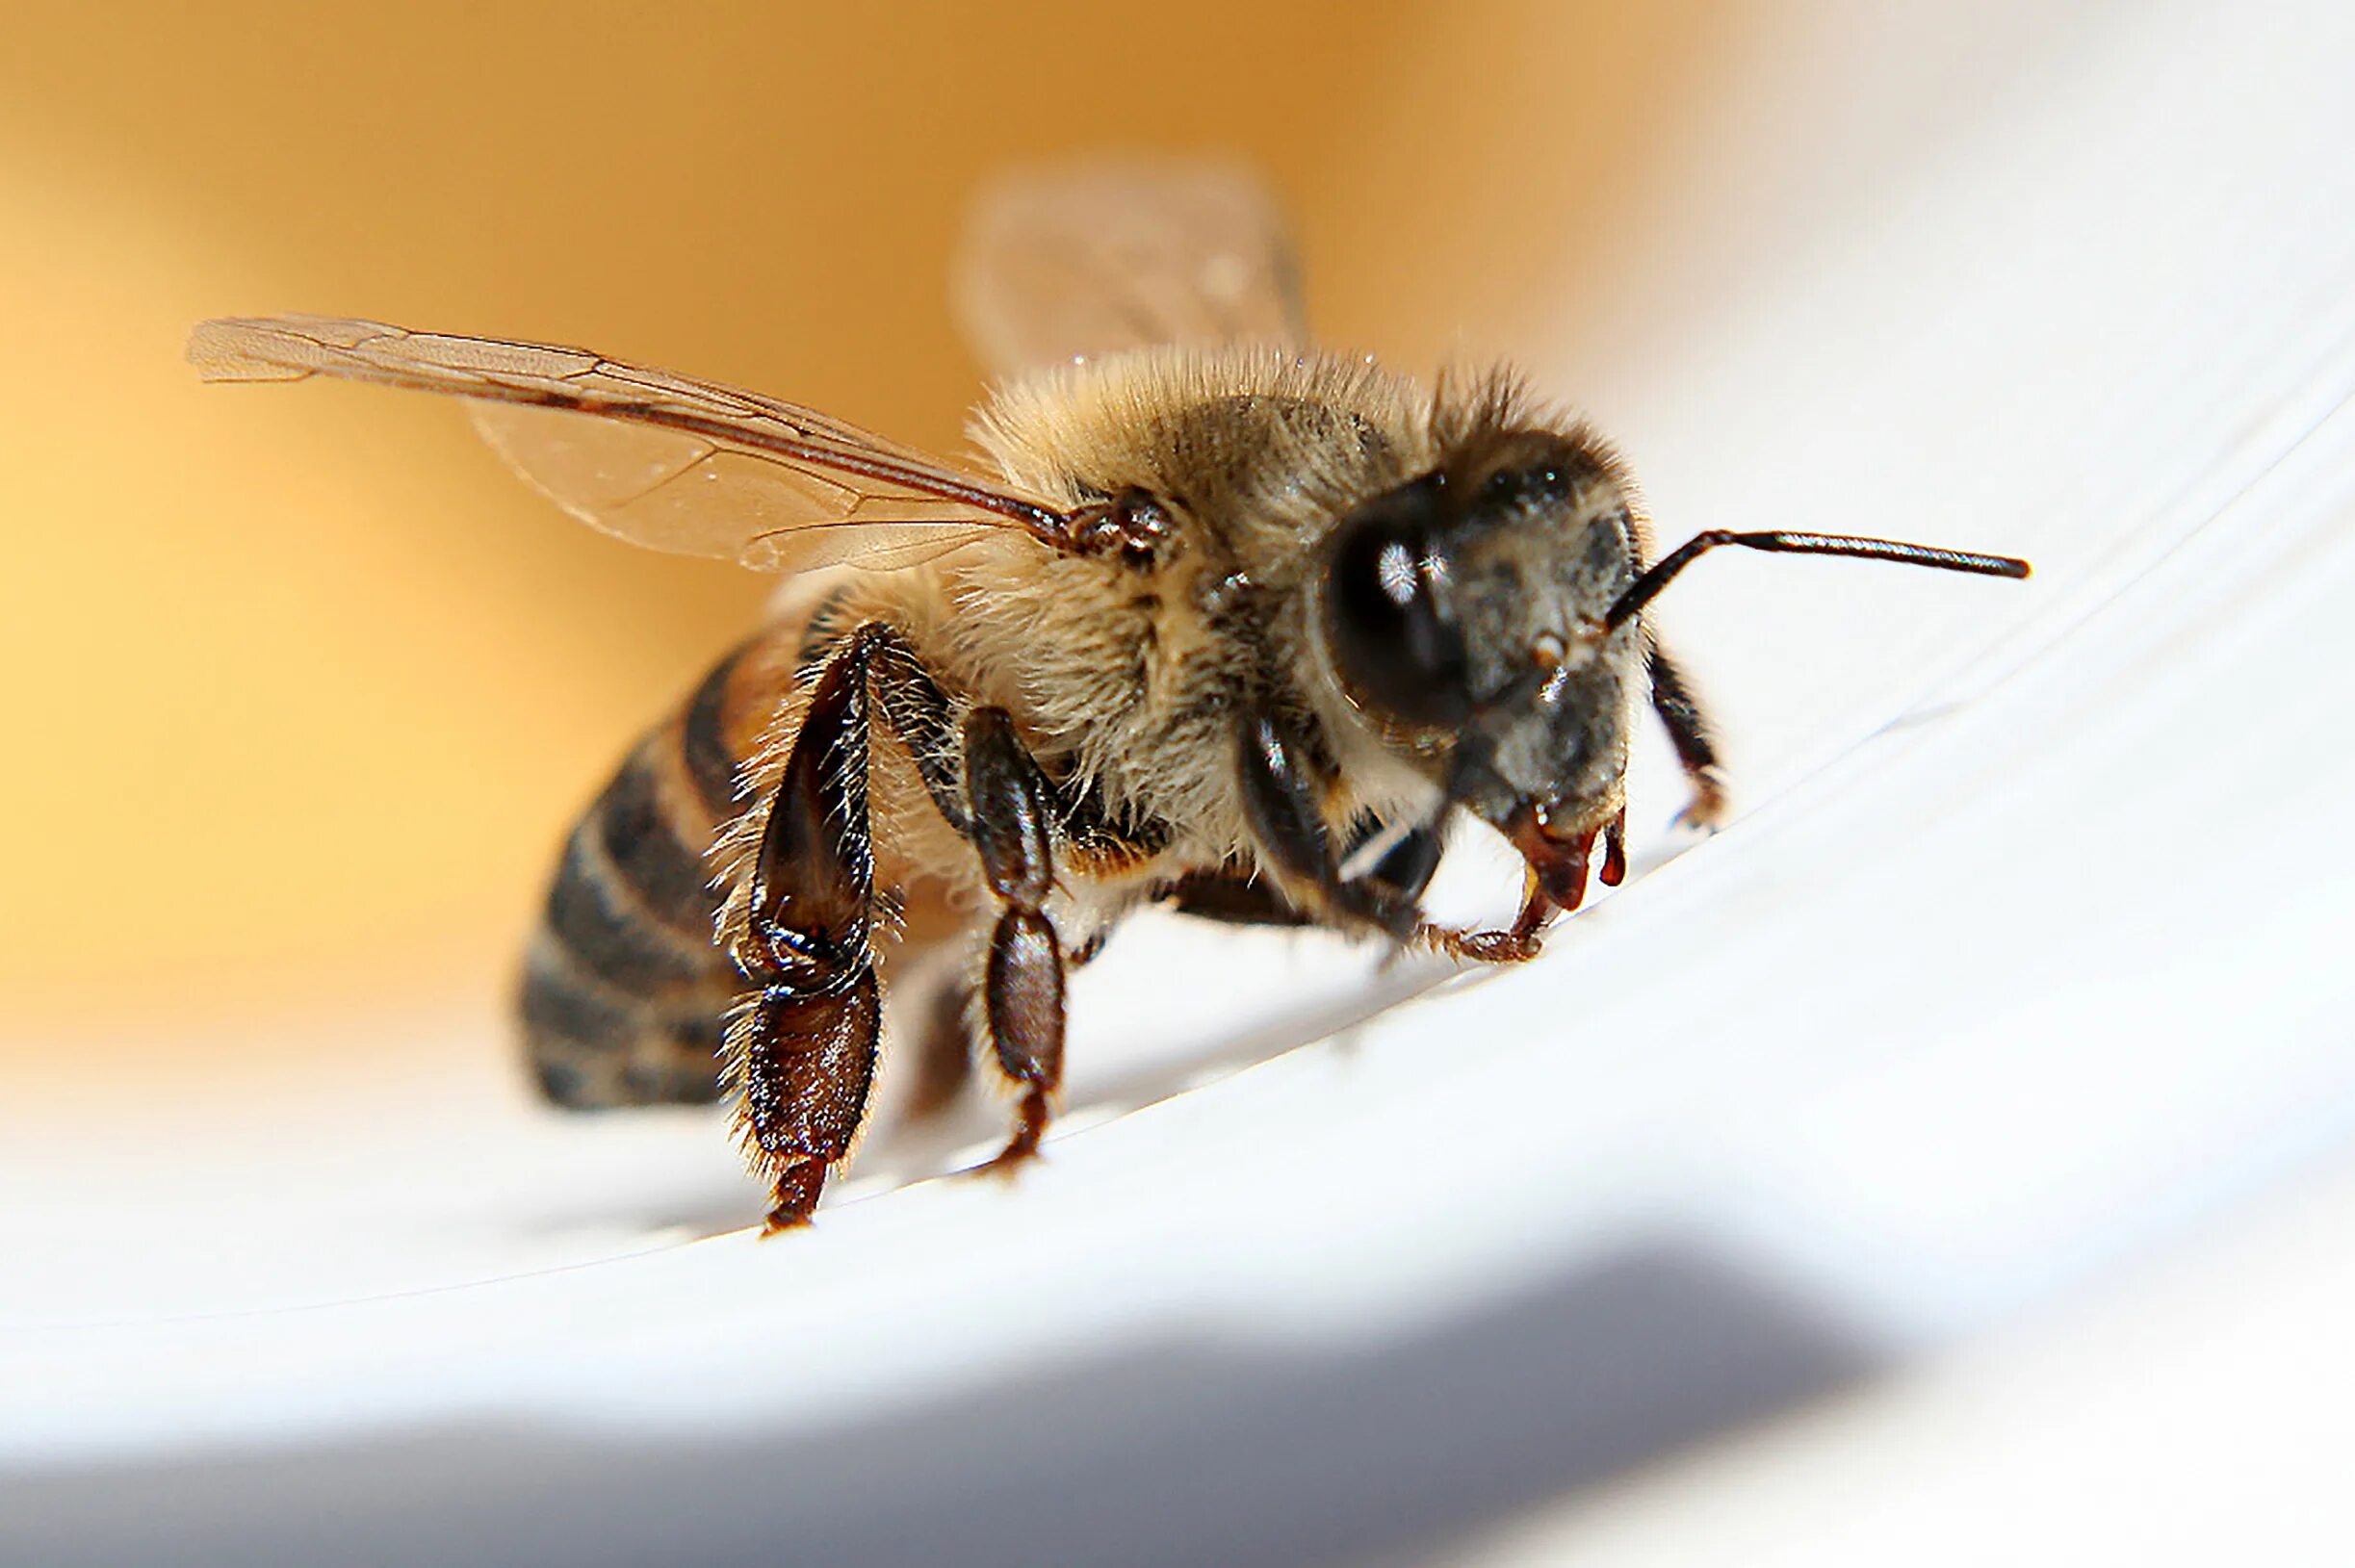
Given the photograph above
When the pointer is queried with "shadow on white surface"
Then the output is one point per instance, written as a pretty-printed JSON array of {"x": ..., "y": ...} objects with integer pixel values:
[{"x": 1172, "y": 1452}]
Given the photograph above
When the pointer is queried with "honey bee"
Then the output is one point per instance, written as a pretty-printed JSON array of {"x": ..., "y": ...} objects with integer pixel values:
[{"x": 1222, "y": 623}]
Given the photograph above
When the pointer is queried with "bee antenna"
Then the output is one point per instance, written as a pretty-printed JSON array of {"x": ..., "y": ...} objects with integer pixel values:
[{"x": 1648, "y": 587}]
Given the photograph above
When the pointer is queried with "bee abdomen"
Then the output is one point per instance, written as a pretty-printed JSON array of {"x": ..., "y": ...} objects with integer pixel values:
[
  {"x": 625, "y": 993},
  {"x": 590, "y": 1050}
]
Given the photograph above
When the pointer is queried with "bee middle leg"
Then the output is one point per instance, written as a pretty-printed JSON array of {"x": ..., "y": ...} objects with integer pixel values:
[{"x": 1022, "y": 985}]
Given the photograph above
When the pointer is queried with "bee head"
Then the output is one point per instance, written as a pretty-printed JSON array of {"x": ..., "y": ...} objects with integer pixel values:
[{"x": 1465, "y": 615}]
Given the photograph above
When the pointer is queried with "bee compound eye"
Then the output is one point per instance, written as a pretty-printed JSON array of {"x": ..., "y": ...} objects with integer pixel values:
[{"x": 1392, "y": 638}]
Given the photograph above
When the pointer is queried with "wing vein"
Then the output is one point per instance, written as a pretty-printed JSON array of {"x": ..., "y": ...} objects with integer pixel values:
[{"x": 601, "y": 438}]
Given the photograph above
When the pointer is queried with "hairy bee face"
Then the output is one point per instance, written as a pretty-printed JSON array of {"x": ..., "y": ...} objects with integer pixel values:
[{"x": 1463, "y": 614}]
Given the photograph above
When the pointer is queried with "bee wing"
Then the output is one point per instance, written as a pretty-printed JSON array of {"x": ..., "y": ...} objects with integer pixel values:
[
  {"x": 1093, "y": 258},
  {"x": 655, "y": 459}
]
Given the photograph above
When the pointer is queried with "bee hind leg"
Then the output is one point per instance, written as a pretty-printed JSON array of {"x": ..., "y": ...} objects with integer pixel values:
[
  {"x": 1022, "y": 982},
  {"x": 802, "y": 1045}
]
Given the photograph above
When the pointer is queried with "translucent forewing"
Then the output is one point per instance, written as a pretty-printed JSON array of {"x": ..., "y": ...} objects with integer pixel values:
[{"x": 658, "y": 459}]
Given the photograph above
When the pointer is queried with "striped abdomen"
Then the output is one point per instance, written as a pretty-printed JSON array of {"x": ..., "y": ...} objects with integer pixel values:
[{"x": 624, "y": 993}]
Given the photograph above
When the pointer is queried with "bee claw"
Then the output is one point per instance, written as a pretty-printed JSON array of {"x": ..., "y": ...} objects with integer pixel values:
[
  {"x": 1515, "y": 947},
  {"x": 1006, "y": 1163},
  {"x": 1024, "y": 1147}
]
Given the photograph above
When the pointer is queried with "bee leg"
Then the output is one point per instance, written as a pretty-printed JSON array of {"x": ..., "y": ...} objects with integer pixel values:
[
  {"x": 1691, "y": 733},
  {"x": 803, "y": 1044},
  {"x": 918, "y": 711},
  {"x": 1517, "y": 943},
  {"x": 1232, "y": 896},
  {"x": 1022, "y": 984},
  {"x": 944, "y": 1055},
  {"x": 1540, "y": 898},
  {"x": 1281, "y": 801},
  {"x": 1405, "y": 868}
]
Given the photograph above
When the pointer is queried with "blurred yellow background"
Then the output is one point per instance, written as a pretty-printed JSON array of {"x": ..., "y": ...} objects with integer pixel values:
[{"x": 303, "y": 687}]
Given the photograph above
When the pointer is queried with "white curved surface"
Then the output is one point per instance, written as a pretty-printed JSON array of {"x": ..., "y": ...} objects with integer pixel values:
[{"x": 2028, "y": 958}]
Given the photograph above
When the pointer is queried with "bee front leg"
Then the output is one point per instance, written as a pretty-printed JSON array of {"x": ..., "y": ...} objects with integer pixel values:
[
  {"x": 802, "y": 1046},
  {"x": 1516, "y": 943},
  {"x": 1281, "y": 795},
  {"x": 1522, "y": 941},
  {"x": 1022, "y": 987}
]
